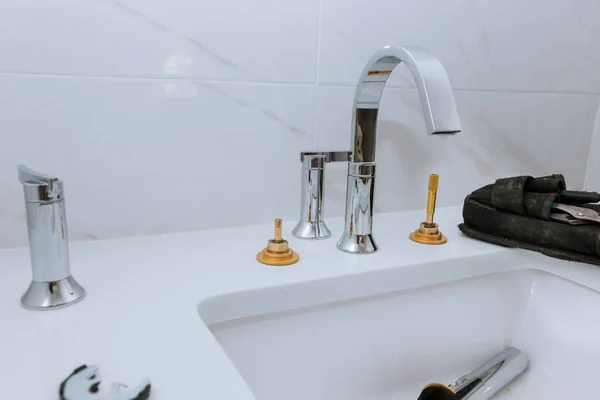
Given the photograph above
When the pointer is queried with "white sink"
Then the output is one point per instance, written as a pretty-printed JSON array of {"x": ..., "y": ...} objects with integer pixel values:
[{"x": 389, "y": 345}]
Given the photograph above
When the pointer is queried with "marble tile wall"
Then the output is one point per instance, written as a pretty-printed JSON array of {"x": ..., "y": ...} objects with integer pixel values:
[
  {"x": 592, "y": 175},
  {"x": 166, "y": 116}
]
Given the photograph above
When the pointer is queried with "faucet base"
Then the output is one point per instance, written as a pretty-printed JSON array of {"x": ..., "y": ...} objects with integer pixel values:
[
  {"x": 311, "y": 230},
  {"x": 428, "y": 234},
  {"x": 52, "y": 295},
  {"x": 357, "y": 244}
]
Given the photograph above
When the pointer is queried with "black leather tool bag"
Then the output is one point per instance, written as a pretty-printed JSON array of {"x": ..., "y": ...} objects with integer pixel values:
[{"x": 521, "y": 212}]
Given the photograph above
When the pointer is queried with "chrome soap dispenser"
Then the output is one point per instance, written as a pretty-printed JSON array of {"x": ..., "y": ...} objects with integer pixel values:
[{"x": 52, "y": 285}]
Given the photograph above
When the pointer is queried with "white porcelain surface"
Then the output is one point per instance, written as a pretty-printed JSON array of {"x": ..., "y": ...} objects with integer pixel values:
[
  {"x": 536, "y": 45},
  {"x": 150, "y": 298},
  {"x": 151, "y": 156},
  {"x": 391, "y": 345},
  {"x": 504, "y": 134},
  {"x": 249, "y": 40}
]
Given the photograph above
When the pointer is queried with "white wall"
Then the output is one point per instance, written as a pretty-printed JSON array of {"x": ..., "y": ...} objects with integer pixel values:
[
  {"x": 170, "y": 115},
  {"x": 592, "y": 175}
]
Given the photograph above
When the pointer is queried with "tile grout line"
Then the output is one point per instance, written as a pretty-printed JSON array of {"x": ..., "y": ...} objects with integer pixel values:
[
  {"x": 272, "y": 83},
  {"x": 165, "y": 79}
]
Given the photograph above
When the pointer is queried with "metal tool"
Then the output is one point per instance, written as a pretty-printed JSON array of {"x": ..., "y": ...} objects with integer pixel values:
[
  {"x": 575, "y": 215},
  {"x": 84, "y": 384}
]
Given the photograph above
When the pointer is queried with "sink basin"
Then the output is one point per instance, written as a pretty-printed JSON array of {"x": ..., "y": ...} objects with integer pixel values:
[{"x": 389, "y": 345}]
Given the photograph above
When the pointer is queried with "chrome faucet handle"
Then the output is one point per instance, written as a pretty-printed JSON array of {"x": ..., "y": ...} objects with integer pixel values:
[
  {"x": 42, "y": 187},
  {"x": 52, "y": 284},
  {"x": 329, "y": 156},
  {"x": 311, "y": 224},
  {"x": 27, "y": 174}
]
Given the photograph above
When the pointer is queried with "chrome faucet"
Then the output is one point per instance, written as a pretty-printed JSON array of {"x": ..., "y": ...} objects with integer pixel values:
[
  {"x": 441, "y": 117},
  {"x": 52, "y": 285}
]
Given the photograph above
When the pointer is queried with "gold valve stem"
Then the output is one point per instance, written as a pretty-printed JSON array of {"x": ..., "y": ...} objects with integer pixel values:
[
  {"x": 431, "y": 196},
  {"x": 428, "y": 232},
  {"x": 278, "y": 230}
]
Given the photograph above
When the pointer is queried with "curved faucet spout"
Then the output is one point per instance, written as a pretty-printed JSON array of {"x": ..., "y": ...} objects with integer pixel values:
[
  {"x": 441, "y": 117},
  {"x": 435, "y": 92}
]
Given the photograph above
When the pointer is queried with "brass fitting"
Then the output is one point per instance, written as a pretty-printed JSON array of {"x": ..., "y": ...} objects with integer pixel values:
[
  {"x": 428, "y": 232},
  {"x": 277, "y": 252}
]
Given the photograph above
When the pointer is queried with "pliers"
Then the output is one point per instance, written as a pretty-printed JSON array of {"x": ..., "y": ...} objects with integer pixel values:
[{"x": 576, "y": 215}]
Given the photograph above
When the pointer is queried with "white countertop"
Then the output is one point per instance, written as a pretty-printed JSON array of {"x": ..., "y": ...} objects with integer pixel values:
[{"x": 140, "y": 319}]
